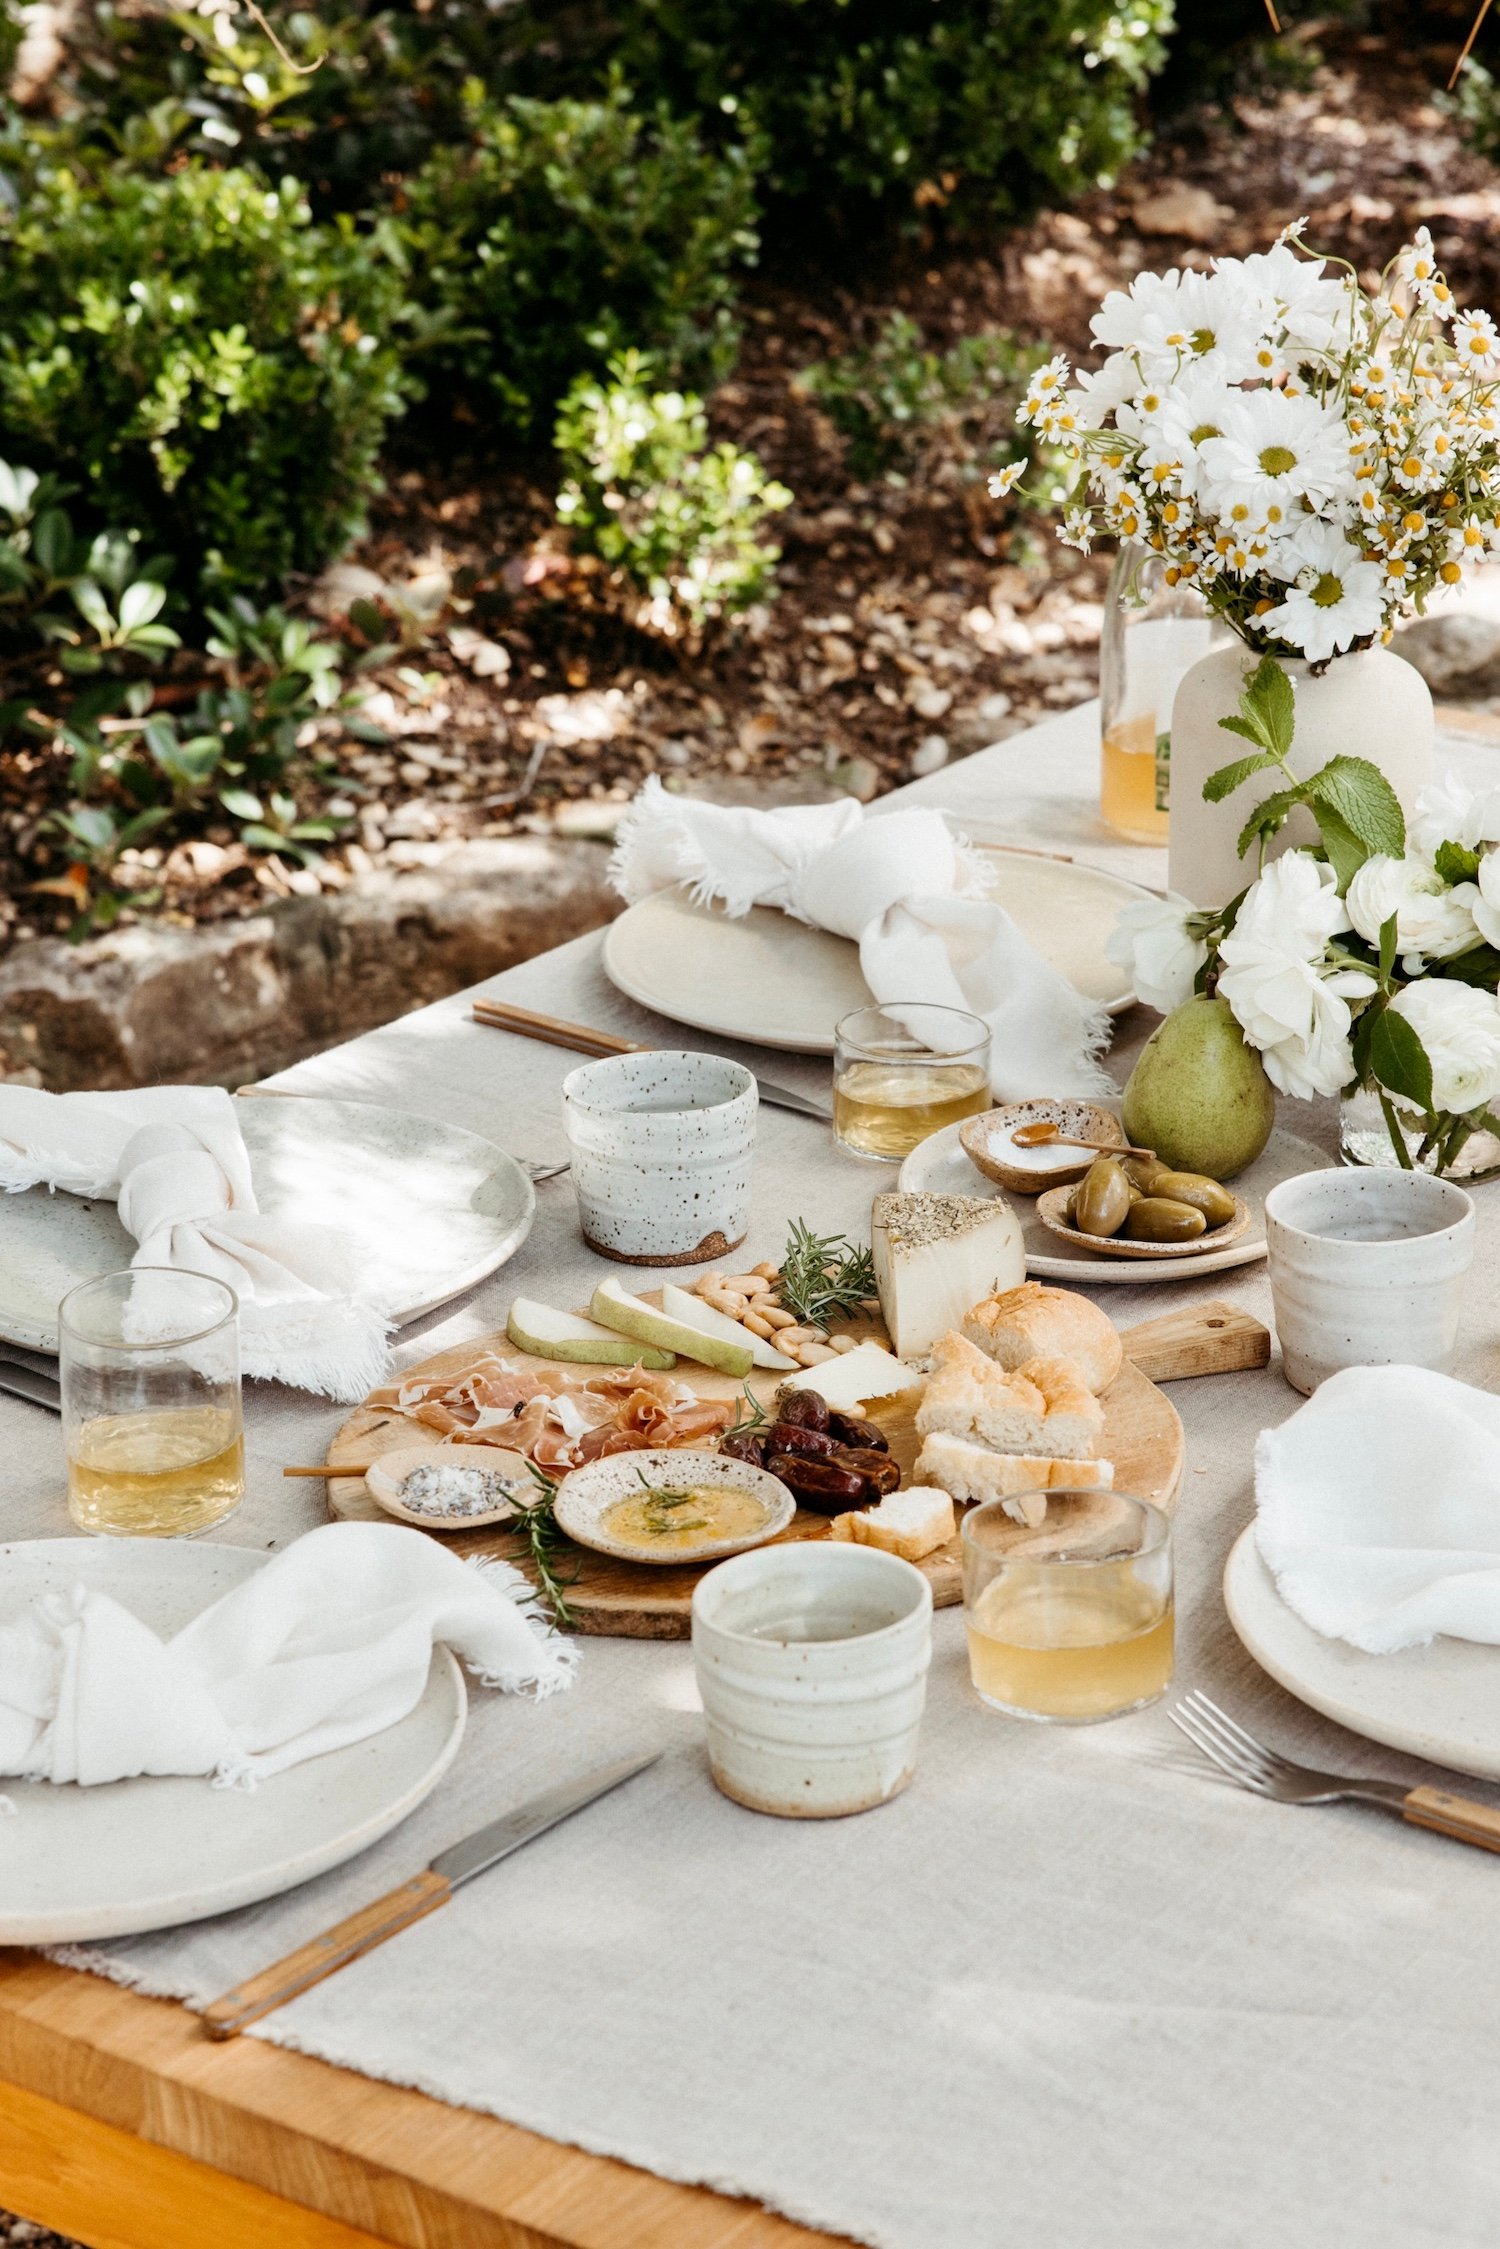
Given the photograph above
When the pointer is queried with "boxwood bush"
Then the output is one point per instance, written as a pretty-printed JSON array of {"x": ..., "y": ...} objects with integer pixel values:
[
  {"x": 564, "y": 232},
  {"x": 196, "y": 357}
]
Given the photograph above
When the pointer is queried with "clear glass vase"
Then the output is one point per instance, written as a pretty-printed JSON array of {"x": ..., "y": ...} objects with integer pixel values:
[
  {"x": 1365, "y": 1138},
  {"x": 1152, "y": 634}
]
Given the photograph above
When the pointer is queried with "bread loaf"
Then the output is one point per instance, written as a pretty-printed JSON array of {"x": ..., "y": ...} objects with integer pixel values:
[
  {"x": 1047, "y": 1408},
  {"x": 1032, "y": 1322}
]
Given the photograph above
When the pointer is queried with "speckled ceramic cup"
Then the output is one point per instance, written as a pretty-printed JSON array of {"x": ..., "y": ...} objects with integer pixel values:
[{"x": 661, "y": 1148}]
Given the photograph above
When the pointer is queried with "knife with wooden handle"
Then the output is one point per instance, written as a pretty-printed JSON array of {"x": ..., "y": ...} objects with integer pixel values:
[
  {"x": 555, "y": 1030},
  {"x": 398, "y": 1909}
]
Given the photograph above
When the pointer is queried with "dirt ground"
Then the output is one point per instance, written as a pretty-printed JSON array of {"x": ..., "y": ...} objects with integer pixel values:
[{"x": 916, "y": 621}]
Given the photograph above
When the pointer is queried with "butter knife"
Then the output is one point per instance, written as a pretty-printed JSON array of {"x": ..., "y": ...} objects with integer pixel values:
[
  {"x": 26, "y": 1375},
  {"x": 423, "y": 1894},
  {"x": 555, "y": 1030}
]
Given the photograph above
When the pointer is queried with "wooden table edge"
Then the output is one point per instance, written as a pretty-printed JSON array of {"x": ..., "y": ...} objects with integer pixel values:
[{"x": 380, "y": 2163}]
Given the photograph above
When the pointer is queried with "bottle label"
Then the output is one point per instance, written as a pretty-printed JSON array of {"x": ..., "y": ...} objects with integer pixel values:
[{"x": 1163, "y": 771}]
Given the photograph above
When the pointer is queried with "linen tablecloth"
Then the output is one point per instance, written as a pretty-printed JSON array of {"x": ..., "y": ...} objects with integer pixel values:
[{"x": 1065, "y": 1991}]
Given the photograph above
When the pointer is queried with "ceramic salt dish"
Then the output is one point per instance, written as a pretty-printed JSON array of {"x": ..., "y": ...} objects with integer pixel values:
[
  {"x": 450, "y": 1487},
  {"x": 661, "y": 1145},
  {"x": 812, "y": 1662},
  {"x": 663, "y": 1484},
  {"x": 987, "y": 1142}
]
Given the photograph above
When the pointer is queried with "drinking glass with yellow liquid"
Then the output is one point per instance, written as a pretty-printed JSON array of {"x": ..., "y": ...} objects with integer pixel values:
[
  {"x": 1152, "y": 634},
  {"x": 150, "y": 1363},
  {"x": 903, "y": 1071},
  {"x": 1072, "y": 1620}
]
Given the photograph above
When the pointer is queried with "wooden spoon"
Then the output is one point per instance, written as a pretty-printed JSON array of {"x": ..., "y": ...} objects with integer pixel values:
[{"x": 1045, "y": 1134}]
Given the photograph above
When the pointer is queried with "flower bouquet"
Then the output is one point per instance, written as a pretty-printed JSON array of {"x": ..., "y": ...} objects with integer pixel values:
[{"x": 1366, "y": 966}]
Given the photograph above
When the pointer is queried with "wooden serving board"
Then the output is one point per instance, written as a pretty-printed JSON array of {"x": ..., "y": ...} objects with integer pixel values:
[{"x": 650, "y": 1601}]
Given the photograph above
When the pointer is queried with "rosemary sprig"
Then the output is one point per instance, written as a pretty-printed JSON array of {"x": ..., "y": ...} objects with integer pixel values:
[
  {"x": 749, "y": 1416},
  {"x": 824, "y": 1276},
  {"x": 536, "y": 1526}
]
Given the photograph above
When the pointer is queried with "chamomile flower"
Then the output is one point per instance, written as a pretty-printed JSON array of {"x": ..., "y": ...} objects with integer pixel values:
[
  {"x": 1006, "y": 479},
  {"x": 1337, "y": 599}
]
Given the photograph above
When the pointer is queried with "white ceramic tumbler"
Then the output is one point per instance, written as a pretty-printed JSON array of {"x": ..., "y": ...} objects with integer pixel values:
[
  {"x": 661, "y": 1145},
  {"x": 812, "y": 1663},
  {"x": 1368, "y": 1269}
]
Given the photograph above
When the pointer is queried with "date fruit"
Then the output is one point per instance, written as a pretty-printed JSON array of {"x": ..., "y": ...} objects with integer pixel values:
[
  {"x": 877, "y": 1468},
  {"x": 850, "y": 1430},
  {"x": 819, "y": 1485},
  {"x": 805, "y": 1409},
  {"x": 745, "y": 1445},
  {"x": 787, "y": 1436}
]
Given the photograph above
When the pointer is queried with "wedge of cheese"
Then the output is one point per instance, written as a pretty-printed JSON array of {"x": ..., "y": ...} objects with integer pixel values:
[
  {"x": 858, "y": 1378},
  {"x": 936, "y": 1256}
]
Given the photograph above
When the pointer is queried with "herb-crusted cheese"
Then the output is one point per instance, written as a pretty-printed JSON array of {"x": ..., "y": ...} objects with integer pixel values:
[{"x": 935, "y": 1257}]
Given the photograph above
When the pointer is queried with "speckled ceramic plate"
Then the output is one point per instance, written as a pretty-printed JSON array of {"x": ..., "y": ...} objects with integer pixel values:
[
  {"x": 83, "y": 1863},
  {"x": 773, "y": 980},
  {"x": 431, "y": 1210},
  {"x": 1441, "y": 1702},
  {"x": 940, "y": 1167},
  {"x": 584, "y": 1498}
]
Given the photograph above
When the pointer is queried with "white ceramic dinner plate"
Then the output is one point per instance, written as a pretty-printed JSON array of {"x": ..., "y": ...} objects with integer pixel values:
[
  {"x": 940, "y": 1167},
  {"x": 82, "y": 1863},
  {"x": 774, "y": 981},
  {"x": 431, "y": 1210},
  {"x": 1441, "y": 1702}
]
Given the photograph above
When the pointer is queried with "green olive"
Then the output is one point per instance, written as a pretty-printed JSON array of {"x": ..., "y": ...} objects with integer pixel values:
[
  {"x": 1153, "y": 1219},
  {"x": 1215, "y": 1202},
  {"x": 1101, "y": 1201},
  {"x": 1142, "y": 1172}
]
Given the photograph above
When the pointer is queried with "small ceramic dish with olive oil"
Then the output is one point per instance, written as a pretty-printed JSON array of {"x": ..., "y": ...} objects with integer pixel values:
[
  {"x": 1138, "y": 1207},
  {"x": 676, "y": 1506}
]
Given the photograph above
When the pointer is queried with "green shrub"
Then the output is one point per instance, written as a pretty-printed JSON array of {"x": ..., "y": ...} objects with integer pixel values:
[
  {"x": 200, "y": 359},
  {"x": 646, "y": 492},
  {"x": 902, "y": 406},
  {"x": 566, "y": 231},
  {"x": 992, "y": 104}
]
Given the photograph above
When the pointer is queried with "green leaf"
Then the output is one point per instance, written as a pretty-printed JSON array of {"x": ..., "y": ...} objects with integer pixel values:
[
  {"x": 241, "y": 803},
  {"x": 1387, "y": 948},
  {"x": 52, "y": 541},
  {"x": 1454, "y": 863},
  {"x": 1229, "y": 777},
  {"x": 1399, "y": 1059},
  {"x": 1359, "y": 793},
  {"x": 1267, "y": 713},
  {"x": 1247, "y": 731},
  {"x": 1269, "y": 815},
  {"x": 1346, "y": 853},
  {"x": 1479, "y": 965},
  {"x": 366, "y": 618}
]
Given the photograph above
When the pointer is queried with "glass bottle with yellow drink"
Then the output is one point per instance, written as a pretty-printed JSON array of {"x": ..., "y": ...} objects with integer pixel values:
[{"x": 1152, "y": 634}]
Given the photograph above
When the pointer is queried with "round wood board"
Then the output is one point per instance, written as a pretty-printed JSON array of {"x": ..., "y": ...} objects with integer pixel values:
[{"x": 646, "y": 1601}]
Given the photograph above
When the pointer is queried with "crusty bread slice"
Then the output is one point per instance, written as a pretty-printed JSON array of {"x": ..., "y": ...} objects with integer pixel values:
[
  {"x": 911, "y": 1523},
  {"x": 971, "y": 1473},
  {"x": 1045, "y": 1408},
  {"x": 1033, "y": 1322}
]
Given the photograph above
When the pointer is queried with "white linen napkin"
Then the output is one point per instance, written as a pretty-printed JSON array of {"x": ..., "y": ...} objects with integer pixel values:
[
  {"x": 910, "y": 894},
  {"x": 330, "y": 1642},
  {"x": 1378, "y": 1509},
  {"x": 173, "y": 1160}
]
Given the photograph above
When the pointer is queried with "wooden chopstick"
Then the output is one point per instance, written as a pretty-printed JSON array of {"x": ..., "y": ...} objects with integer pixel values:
[
  {"x": 553, "y": 1030},
  {"x": 328, "y": 1469}
]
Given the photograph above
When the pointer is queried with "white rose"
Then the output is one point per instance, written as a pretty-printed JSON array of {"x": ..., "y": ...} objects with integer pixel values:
[
  {"x": 1450, "y": 811},
  {"x": 1486, "y": 906},
  {"x": 1150, "y": 942},
  {"x": 1432, "y": 921},
  {"x": 1459, "y": 1027},
  {"x": 1286, "y": 996}
]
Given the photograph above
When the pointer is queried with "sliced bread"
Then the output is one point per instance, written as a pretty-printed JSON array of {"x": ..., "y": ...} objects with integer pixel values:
[
  {"x": 1033, "y": 1322},
  {"x": 1046, "y": 1408},
  {"x": 972, "y": 1473},
  {"x": 911, "y": 1523}
]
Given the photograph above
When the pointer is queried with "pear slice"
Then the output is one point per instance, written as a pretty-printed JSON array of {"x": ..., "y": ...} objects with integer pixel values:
[
  {"x": 632, "y": 1316},
  {"x": 567, "y": 1335},
  {"x": 694, "y": 1313}
]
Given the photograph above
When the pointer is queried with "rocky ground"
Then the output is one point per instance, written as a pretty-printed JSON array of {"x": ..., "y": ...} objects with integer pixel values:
[{"x": 916, "y": 621}]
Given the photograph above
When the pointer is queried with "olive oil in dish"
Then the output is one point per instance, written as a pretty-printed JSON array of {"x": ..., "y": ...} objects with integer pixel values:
[
  {"x": 163, "y": 1474},
  {"x": 1050, "y": 1644},
  {"x": 661, "y": 1519}
]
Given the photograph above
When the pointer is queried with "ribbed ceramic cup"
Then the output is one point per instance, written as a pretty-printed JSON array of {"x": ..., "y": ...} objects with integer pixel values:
[
  {"x": 812, "y": 1663},
  {"x": 661, "y": 1145},
  {"x": 1368, "y": 1269}
]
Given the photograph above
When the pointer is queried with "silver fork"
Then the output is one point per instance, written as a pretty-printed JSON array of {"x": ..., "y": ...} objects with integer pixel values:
[{"x": 1249, "y": 1763}]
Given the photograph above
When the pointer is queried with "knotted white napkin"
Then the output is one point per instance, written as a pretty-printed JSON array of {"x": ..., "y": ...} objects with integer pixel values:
[
  {"x": 330, "y": 1642},
  {"x": 909, "y": 893},
  {"x": 1378, "y": 1509},
  {"x": 173, "y": 1160}
]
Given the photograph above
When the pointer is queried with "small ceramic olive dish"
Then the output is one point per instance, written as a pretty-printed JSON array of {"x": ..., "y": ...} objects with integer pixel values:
[
  {"x": 986, "y": 1141},
  {"x": 624, "y": 1506},
  {"x": 1052, "y": 1210}
]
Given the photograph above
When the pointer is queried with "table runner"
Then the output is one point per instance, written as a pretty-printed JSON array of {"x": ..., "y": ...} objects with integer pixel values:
[{"x": 1064, "y": 1991}]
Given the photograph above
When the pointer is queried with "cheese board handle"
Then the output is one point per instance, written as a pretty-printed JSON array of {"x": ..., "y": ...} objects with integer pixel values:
[{"x": 1209, "y": 1338}]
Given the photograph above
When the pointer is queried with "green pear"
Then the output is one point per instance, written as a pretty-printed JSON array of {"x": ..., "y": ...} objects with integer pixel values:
[{"x": 1199, "y": 1095}]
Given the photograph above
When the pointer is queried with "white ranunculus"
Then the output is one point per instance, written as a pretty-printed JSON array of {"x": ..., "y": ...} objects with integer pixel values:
[
  {"x": 1486, "y": 907},
  {"x": 1459, "y": 1026},
  {"x": 1450, "y": 811},
  {"x": 1150, "y": 942},
  {"x": 1432, "y": 921},
  {"x": 1287, "y": 997}
]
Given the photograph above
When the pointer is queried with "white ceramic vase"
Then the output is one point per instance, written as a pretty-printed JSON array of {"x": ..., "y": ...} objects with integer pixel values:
[{"x": 1372, "y": 705}]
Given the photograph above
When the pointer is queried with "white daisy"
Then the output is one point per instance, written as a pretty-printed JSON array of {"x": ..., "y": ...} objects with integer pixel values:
[
  {"x": 1338, "y": 597},
  {"x": 1170, "y": 320},
  {"x": 1313, "y": 312},
  {"x": 1274, "y": 450}
]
